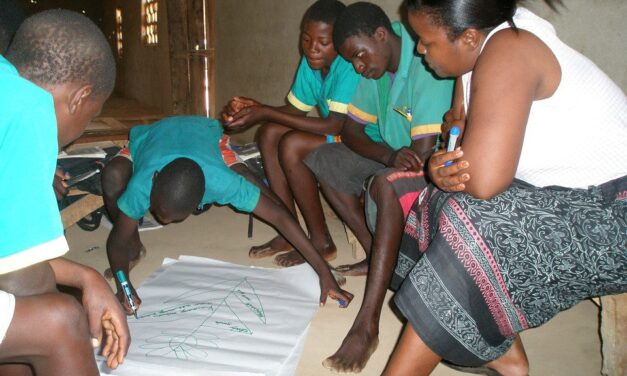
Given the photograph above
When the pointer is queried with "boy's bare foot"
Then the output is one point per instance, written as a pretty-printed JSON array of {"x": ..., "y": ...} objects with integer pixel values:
[
  {"x": 108, "y": 274},
  {"x": 354, "y": 352},
  {"x": 292, "y": 258},
  {"x": 274, "y": 246},
  {"x": 357, "y": 269},
  {"x": 289, "y": 259}
]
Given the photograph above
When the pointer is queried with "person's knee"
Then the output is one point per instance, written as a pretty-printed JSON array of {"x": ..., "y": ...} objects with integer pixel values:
[
  {"x": 382, "y": 191},
  {"x": 65, "y": 319},
  {"x": 269, "y": 134},
  {"x": 291, "y": 148}
]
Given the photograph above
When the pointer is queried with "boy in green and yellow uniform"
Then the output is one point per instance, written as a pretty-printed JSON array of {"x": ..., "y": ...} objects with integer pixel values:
[{"x": 393, "y": 121}]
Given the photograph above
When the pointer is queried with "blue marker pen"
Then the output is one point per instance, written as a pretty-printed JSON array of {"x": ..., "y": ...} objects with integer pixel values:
[
  {"x": 342, "y": 303},
  {"x": 127, "y": 291},
  {"x": 452, "y": 140}
]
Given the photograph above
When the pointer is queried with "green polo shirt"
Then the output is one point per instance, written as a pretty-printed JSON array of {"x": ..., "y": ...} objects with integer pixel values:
[
  {"x": 331, "y": 93},
  {"x": 386, "y": 102}
]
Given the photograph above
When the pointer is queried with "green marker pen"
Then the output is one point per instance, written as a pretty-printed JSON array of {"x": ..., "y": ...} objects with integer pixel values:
[{"x": 127, "y": 291}]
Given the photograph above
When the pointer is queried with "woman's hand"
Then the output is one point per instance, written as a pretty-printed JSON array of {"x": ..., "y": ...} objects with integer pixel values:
[
  {"x": 330, "y": 288},
  {"x": 452, "y": 120},
  {"x": 449, "y": 178}
]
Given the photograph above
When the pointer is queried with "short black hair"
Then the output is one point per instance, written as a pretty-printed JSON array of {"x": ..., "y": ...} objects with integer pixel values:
[
  {"x": 359, "y": 18},
  {"x": 10, "y": 19},
  {"x": 59, "y": 46},
  {"x": 326, "y": 11},
  {"x": 179, "y": 186}
]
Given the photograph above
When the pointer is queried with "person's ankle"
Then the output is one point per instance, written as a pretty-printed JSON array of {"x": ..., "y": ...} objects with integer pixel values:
[{"x": 510, "y": 367}]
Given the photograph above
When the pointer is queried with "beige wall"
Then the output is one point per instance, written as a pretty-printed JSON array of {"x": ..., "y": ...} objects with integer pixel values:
[
  {"x": 257, "y": 42},
  {"x": 596, "y": 28},
  {"x": 145, "y": 70}
]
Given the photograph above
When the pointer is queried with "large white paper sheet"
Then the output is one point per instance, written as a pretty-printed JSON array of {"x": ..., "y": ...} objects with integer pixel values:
[{"x": 206, "y": 317}]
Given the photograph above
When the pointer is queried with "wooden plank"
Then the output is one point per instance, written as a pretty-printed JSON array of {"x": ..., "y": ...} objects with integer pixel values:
[
  {"x": 614, "y": 334},
  {"x": 79, "y": 209},
  {"x": 103, "y": 135},
  {"x": 112, "y": 122}
]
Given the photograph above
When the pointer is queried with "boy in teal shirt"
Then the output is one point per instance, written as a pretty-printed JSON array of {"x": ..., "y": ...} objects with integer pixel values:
[
  {"x": 177, "y": 166},
  {"x": 323, "y": 80},
  {"x": 154, "y": 146},
  {"x": 393, "y": 121},
  {"x": 58, "y": 72}
]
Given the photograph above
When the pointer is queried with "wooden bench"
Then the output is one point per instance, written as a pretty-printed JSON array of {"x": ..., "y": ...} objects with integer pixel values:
[
  {"x": 104, "y": 131},
  {"x": 80, "y": 208}
]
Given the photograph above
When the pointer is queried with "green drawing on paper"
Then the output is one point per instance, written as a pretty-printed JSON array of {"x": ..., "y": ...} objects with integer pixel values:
[{"x": 234, "y": 302}]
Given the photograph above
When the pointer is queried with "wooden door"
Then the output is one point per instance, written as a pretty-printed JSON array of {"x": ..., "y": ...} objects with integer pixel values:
[{"x": 192, "y": 56}]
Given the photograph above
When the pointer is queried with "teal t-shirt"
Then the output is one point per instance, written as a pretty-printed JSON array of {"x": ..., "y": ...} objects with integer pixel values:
[
  {"x": 388, "y": 101},
  {"x": 333, "y": 93},
  {"x": 30, "y": 224},
  {"x": 153, "y": 146}
]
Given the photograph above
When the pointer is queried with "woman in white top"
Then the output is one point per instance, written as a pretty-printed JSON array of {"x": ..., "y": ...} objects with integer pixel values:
[{"x": 531, "y": 217}]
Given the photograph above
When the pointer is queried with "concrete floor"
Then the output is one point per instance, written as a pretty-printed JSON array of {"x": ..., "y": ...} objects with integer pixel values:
[{"x": 567, "y": 346}]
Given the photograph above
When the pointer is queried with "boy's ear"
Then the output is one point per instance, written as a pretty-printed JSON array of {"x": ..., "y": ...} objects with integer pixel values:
[
  {"x": 78, "y": 98},
  {"x": 380, "y": 33}
]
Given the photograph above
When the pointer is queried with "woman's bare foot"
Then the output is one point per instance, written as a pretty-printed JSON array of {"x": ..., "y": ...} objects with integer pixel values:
[
  {"x": 354, "y": 352},
  {"x": 513, "y": 362},
  {"x": 292, "y": 258},
  {"x": 274, "y": 246},
  {"x": 357, "y": 269}
]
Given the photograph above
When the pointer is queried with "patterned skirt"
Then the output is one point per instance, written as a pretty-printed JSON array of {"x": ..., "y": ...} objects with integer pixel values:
[{"x": 480, "y": 271}]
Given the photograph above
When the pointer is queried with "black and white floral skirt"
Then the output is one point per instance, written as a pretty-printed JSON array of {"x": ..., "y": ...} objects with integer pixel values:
[{"x": 478, "y": 272}]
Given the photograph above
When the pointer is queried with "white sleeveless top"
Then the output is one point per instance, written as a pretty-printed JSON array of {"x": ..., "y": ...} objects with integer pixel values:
[{"x": 578, "y": 136}]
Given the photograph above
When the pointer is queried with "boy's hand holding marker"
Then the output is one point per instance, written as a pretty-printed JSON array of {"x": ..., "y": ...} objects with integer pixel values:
[
  {"x": 445, "y": 168},
  {"x": 330, "y": 288}
]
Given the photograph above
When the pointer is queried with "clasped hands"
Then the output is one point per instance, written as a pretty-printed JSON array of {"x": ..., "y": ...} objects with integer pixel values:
[{"x": 241, "y": 113}]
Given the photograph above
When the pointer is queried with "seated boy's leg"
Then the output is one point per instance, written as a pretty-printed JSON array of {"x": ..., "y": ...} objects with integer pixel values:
[
  {"x": 62, "y": 347},
  {"x": 389, "y": 200},
  {"x": 341, "y": 173},
  {"x": 32, "y": 280},
  {"x": 294, "y": 147},
  {"x": 269, "y": 137},
  {"x": 350, "y": 209}
]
